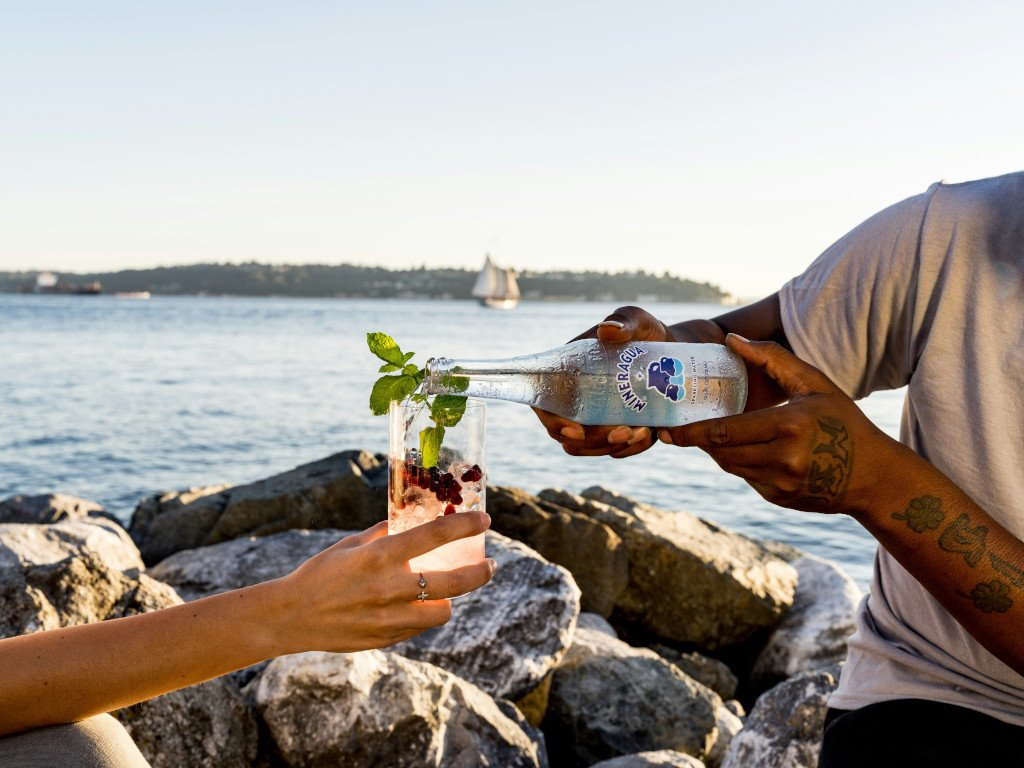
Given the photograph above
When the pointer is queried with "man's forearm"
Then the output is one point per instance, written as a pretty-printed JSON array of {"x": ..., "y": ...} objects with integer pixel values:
[
  {"x": 970, "y": 563},
  {"x": 68, "y": 674}
]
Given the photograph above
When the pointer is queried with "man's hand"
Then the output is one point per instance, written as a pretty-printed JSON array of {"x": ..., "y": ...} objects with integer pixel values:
[
  {"x": 624, "y": 325},
  {"x": 817, "y": 453}
]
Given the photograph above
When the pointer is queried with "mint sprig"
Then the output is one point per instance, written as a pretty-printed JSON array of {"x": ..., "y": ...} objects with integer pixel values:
[{"x": 401, "y": 383}]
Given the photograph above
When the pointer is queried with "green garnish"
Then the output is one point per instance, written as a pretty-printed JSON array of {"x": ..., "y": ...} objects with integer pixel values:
[{"x": 402, "y": 382}]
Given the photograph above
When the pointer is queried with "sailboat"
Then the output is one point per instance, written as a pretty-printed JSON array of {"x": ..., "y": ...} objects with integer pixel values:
[{"x": 495, "y": 286}]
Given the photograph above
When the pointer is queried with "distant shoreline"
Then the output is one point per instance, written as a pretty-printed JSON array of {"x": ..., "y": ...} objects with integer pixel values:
[{"x": 359, "y": 282}]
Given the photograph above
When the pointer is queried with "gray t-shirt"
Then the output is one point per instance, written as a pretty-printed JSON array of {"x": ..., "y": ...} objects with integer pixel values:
[{"x": 929, "y": 294}]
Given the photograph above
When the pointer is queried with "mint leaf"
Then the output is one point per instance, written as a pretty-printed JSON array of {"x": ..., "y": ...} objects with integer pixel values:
[
  {"x": 384, "y": 347},
  {"x": 388, "y": 388},
  {"x": 388, "y": 368},
  {"x": 430, "y": 445},
  {"x": 447, "y": 410}
]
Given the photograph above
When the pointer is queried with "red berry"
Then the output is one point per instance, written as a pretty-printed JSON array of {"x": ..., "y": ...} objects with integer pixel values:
[
  {"x": 449, "y": 510},
  {"x": 455, "y": 498},
  {"x": 472, "y": 474}
]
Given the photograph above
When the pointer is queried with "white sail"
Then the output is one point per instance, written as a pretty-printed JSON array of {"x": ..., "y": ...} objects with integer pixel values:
[
  {"x": 509, "y": 285},
  {"x": 486, "y": 284}
]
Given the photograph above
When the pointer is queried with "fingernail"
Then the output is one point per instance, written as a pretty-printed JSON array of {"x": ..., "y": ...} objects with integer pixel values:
[
  {"x": 491, "y": 566},
  {"x": 744, "y": 339},
  {"x": 639, "y": 435},
  {"x": 665, "y": 436},
  {"x": 620, "y": 435},
  {"x": 611, "y": 324},
  {"x": 573, "y": 432}
]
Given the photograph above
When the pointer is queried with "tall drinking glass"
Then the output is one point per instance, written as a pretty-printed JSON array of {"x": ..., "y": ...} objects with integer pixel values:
[{"x": 456, "y": 483}]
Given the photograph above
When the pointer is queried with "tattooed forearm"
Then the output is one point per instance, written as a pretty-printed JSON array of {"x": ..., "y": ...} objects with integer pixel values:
[
  {"x": 830, "y": 465},
  {"x": 925, "y": 514}
]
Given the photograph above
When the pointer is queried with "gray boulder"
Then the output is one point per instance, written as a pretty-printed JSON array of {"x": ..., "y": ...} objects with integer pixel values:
[
  {"x": 690, "y": 581},
  {"x": 508, "y": 636},
  {"x": 713, "y": 673},
  {"x": 784, "y": 729},
  {"x": 46, "y": 508},
  {"x": 588, "y": 548},
  {"x": 76, "y": 571},
  {"x": 347, "y": 490},
  {"x": 814, "y": 632},
  {"x": 376, "y": 708},
  {"x": 662, "y": 758},
  {"x": 209, "y": 725},
  {"x": 609, "y": 699}
]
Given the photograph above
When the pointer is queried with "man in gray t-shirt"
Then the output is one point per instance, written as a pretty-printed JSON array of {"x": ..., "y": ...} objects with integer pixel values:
[{"x": 928, "y": 294}]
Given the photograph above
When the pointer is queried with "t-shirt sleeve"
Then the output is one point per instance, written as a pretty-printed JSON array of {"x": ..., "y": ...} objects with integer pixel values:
[{"x": 849, "y": 313}]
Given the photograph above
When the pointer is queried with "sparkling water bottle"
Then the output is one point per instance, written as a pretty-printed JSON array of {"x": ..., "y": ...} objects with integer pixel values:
[{"x": 641, "y": 383}]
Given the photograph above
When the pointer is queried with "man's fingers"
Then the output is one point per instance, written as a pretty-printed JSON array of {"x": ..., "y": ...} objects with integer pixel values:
[
  {"x": 423, "y": 538},
  {"x": 746, "y": 428},
  {"x": 790, "y": 372},
  {"x": 631, "y": 324}
]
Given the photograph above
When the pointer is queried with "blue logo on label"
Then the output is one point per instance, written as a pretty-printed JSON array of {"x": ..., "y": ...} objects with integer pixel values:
[{"x": 666, "y": 376}]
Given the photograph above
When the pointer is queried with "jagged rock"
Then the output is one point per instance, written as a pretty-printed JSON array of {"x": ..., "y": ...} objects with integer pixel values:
[
  {"x": 209, "y": 725},
  {"x": 663, "y": 758},
  {"x": 713, "y": 673},
  {"x": 814, "y": 632},
  {"x": 505, "y": 637},
  {"x": 46, "y": 508},
  {"x": 347, "y": 490},
  {"x": 375, "y": 708},
  {"x": 689, "y": 580},
  {"x": 589, "y": 549},
  {"x": 609, "y": 699},
  {"x": 728, "y": 725},
  {"x": 784, "y": 729},
  {"x": 72, "y": 572}
]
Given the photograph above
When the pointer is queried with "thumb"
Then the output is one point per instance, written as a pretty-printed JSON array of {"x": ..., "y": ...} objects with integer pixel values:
[{"x": 790, "y": 372}]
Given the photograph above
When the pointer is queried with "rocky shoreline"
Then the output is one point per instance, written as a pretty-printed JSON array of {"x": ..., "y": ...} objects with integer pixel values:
[{"x": 614, "y": 633}]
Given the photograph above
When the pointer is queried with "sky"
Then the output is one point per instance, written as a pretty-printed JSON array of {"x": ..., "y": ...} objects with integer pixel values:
[{"x": 728, "y": 144}]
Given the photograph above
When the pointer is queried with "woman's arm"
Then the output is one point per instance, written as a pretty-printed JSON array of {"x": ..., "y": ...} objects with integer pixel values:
[
  {"x": 819, "y": 453},
  {"x": 358, "y": 594}
]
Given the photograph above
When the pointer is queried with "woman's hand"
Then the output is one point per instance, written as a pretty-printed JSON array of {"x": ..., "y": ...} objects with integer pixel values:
[
  {"x": 624, "y": 325},
  {"x": 818, "y": 452},
  {"x": 360, "y": 593}
]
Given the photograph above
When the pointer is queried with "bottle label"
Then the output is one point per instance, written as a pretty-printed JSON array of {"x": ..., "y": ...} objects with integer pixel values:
[{"x": 640, "y": 378}]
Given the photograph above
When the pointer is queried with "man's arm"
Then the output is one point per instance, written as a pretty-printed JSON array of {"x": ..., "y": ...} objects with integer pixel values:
[
  {"x": 819, "y": 453},
  {"x": 358, "y": 594}
]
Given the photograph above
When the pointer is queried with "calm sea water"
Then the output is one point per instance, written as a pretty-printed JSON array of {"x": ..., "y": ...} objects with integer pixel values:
[{"x": 112, "y": 399}]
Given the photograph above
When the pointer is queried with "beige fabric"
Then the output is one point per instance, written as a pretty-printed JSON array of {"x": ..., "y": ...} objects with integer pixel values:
[
  {"x": 929, "y": 294},
  {"x": 99, "y": 742}
]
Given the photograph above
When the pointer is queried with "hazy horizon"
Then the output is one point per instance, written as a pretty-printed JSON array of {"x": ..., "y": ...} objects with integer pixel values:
[{"x": 723, "y": 145}]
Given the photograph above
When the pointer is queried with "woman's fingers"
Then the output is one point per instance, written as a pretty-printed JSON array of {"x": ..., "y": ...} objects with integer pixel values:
[
  {"x": 442, "y": 585},
  {"x": 423, "y": 538},
  {"x": 363, "y": 537}
]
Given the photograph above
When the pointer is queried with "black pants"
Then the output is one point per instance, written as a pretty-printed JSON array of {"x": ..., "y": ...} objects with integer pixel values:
[{"x": 912, "y": 733}]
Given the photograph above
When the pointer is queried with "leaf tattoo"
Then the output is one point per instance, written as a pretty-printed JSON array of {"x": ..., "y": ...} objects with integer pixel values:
[{"x": 922, "y": 514}]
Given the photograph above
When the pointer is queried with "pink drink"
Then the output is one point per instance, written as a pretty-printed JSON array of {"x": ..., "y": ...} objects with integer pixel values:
[{"x": 457, "y": 483}]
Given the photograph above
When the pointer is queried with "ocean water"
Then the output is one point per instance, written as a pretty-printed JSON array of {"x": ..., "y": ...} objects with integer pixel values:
[{"x": 113, "y": 399}]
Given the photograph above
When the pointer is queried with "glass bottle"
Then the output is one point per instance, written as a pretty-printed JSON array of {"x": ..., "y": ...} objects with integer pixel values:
[{"x": 640, "y": 383}]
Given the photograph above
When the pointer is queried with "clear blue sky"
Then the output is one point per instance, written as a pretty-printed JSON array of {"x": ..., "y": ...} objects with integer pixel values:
[{"x": 723, "y": 144}]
